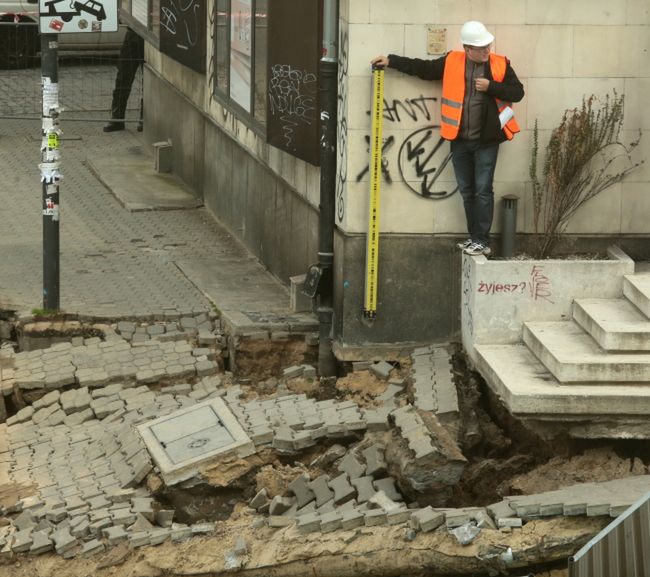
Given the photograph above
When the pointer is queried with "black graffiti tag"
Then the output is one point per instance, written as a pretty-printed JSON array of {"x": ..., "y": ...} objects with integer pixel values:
[
  {"x": 415, "y": 108},
  {"x": 385, "y": 147},
  {"x": 423, "y": 152}
]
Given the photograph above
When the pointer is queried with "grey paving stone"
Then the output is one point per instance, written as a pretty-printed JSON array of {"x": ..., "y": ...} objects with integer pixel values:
[
  {"x": 47, "y": 400},
  {"x": 387, "y": 485},
  {"x": 321, "y": 490},
  {"x": 139, "y": 538},
  {"x": 308, "y": 523},
  {"x": 365, "y": 488},
  {"x": 381, "y": 501},
  {"x": 375, "y": 462},
  {"x": 427, "y": 519},
  {"x": 381, "y": 369},
  {"x": 63, "y": 540},
  {"x": 351, "y": 519},
  {"x": 512, "y": 522},
  {"x": 279, "y": 521},
  {"x": 374, "y": 517},
  {"x": 398, "y": 516},
  {"x": 82, "y": 529},
  {"x": 343, "y": 491},
  {"x": 457, "y": 517},
  {"x": 279, "y": 504},
  {"x": 22, "y": 541},
  {"x": 141, "y": 465},
  {"x": 260, "y": 499},
  {"x": 115, "y": 534},
  {"x": 350, "y": 465},
  {"x": 330, "y": 522},
  {"x": 300, "y": 488},
  {"x": 92, "y": 547},
  {"x": 200, "y": 528},
  {"x": 24, "y": 521},
  {"x": 179, "y": 532},
  {"x": 41, "y": 543},
  {"x": 165, "y": 517}
]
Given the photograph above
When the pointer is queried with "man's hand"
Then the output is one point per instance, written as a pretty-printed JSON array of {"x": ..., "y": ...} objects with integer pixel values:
[
  {"x": 481, "y": 84},
  {"x": 381, "y": 61}
]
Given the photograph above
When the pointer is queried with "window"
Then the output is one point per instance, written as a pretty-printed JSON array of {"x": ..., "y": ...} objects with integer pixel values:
[
  {"x": 267, "y": 58},
  {"x": 240, "y": 48}
]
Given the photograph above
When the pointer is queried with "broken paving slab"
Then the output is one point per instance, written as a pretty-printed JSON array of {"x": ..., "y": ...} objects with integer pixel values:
[{"x": 182, "y": 441}]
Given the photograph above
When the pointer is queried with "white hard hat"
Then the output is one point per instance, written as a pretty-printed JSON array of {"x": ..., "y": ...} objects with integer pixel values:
[{"x": 475, "y": 33}]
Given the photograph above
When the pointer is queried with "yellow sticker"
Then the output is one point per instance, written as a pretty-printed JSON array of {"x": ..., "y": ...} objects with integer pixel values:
[{"x": 53, "y": 140}]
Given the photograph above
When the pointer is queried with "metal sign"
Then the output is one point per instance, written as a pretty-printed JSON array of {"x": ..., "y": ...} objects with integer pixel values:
[{"x": 67, "y": 16}]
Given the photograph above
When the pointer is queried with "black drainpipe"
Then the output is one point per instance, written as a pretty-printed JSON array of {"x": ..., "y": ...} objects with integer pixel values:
[{"x": 328, "y": 100}]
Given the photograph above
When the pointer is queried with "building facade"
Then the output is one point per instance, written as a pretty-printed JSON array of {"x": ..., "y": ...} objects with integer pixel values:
[{"x": 233, "y": 85}]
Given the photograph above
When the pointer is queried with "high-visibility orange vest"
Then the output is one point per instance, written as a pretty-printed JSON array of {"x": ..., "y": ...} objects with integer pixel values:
[{"x": 453, "y": 93}]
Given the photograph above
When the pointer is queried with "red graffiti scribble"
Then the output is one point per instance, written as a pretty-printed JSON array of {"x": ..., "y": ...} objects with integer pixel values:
[{"x": 540, "y": 285}]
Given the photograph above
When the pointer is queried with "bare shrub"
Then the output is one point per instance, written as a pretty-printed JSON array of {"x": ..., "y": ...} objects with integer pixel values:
[{"x": 579, "y": 164}]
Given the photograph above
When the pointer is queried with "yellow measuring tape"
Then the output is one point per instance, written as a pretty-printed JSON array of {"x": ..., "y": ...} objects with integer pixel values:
[{"x": 372, "y": 244}]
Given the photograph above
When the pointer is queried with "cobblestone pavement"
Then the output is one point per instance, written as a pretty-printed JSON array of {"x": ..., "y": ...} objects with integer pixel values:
[{"x": 114, "y": 263}]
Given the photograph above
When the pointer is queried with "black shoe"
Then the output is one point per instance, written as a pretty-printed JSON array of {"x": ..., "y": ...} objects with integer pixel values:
[{"x": 114, "y": 126}]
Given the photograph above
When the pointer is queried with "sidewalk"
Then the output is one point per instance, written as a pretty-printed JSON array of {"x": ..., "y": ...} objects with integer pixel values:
[{"x": 115, "y": 262}]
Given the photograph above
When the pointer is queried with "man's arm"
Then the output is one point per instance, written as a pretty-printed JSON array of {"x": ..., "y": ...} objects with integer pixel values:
[
  {"x": 510, "y": 89},
  {"x": 424, "y": 69}
]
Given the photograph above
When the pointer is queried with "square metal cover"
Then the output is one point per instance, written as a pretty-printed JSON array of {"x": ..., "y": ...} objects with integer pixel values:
[{"x": 182, "y": 441}]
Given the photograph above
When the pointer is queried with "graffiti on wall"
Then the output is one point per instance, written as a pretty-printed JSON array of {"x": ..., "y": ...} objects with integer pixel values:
[
  {"x": 538, "y": 286},
  {"x": 292, "y": 97},
  {"x": 342, "y": 128},
  {"x": 422, "y": 155},
  {"x": 387, "y": 144},
  {"x": 467, "y": 316}
]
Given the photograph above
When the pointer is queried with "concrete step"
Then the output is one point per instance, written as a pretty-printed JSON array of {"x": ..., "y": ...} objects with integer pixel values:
[
  {"x": 572, "y": 356},
  {"x": 615, "y": 324},
  {"x": 636, "y": 288},
  {"x": 527, "y": 388}
]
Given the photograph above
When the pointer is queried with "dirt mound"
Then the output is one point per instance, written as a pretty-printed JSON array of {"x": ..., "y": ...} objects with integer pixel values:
[{"x": 594, "y": 465}]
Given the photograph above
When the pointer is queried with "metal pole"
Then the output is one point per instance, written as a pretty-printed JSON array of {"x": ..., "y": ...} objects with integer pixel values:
[
  {"x": 50, "y": 169},
  {"x": 328, "y": 116},
  {"x": 509, "y": 225}
]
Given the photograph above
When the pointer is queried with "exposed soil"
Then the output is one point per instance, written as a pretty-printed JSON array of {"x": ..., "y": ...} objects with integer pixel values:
[
  {"x": 362, "y": 387},
  {"x": 503, "y": 459}
]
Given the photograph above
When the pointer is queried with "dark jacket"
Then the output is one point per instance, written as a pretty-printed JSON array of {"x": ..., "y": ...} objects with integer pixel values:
[{"x": 509, "y": 90}]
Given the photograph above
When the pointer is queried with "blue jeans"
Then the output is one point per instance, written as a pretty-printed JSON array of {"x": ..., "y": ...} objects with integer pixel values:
[{"x": 474, "y": 167}]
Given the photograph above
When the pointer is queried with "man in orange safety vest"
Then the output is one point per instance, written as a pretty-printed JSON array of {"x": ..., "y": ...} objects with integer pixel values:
[{"x": 478, "y": 88}]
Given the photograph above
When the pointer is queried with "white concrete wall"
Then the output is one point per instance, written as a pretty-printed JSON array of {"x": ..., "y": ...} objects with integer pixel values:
[
  {"x": 561, "y": 50},
  {"x": 498, "y": 296}
]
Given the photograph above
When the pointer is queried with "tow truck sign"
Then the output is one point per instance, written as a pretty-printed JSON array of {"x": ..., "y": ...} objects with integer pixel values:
[{"x": 66, "y": 16}]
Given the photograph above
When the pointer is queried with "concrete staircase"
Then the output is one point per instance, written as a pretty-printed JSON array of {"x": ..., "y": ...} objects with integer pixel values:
[{"x": 588, "y": 377}]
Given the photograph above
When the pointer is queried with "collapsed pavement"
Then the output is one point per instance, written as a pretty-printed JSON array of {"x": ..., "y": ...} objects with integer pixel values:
[{"x": 79, "y": 474}]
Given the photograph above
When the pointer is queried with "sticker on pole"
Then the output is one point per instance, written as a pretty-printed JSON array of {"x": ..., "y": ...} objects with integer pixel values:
[{"x": 67, "y": 16}]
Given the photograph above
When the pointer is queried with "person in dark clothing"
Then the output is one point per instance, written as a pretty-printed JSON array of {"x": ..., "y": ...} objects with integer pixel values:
[
  {"x": 476, "y": 116},
  {"x": 131, "y": 58}
]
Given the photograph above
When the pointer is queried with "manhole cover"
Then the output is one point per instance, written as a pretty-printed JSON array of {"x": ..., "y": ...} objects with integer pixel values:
[{"x": 182, "y": 441}]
